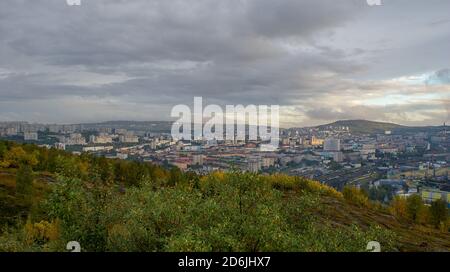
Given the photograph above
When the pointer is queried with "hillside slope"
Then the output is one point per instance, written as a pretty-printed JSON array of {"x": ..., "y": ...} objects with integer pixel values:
[
  {"x": 410, "y": 237},
  {"x": 363, "y": 126},
  {"x": 329, "y": 211}
]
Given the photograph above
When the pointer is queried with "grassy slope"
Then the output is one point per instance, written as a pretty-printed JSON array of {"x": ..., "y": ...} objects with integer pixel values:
[{"x": 411, "y": 237}]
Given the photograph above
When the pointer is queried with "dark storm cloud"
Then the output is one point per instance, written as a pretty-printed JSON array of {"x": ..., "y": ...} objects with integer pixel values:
[
  {"x": 104, "y": 32},
  {"x": 232, "y": 45},
  {"x": 148, "y": 55}
]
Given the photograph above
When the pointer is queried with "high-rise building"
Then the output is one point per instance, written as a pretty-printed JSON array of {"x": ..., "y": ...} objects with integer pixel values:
[
  {"x": 332, "y": 144},
  {"x": 153, "y": 144},
  {"x": 337, "y": 156}
]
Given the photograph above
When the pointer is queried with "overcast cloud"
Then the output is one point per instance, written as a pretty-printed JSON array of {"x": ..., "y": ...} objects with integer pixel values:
[{"x": 320, "y": 60}]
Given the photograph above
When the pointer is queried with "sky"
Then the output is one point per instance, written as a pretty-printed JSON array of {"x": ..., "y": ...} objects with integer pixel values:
[{"x": 319, "y": 60}]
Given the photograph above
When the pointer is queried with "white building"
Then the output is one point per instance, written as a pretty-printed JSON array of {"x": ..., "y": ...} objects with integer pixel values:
[
  {"x": 254, "y": 165},
  {"x": 153, "y": 145},
  {"x": 97, "y": 148},
  {"x": 60, "y": 146},
  {"x": 11, "y": 131},
  {"x": 197, "y": 159},
  {"x": 268, "y": 162},
  {"x": 122, "y": 156},
  {"x": 285, "y": 141},
  {"x": 368, "y": 149},
  {"x": 30, "y": 136},
  {"x": 74, "y": 139},
  {"x": 101, "y": 139},
  {"x": 128, "y": 138}
]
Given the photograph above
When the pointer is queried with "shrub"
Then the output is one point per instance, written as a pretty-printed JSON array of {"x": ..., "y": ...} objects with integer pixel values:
[
  {"x": 41, "y": 232},
  {"x": 415, "y": 208},
  {"x": 398, "y": 207},
  {"x": 355, "y": 196},
  {"x": 24, "y": 181},
  {"x": 439, "y": 213}
]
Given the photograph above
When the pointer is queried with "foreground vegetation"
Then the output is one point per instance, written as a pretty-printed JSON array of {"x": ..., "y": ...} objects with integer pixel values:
[{"x": 49, "y": 197}]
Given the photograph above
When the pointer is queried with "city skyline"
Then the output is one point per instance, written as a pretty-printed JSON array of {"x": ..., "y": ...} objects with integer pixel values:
[
  {"x": 322, "y": 62},
  {"x": 171, "y": 122}
]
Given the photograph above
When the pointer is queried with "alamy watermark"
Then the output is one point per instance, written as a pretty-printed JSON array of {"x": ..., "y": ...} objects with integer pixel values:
[
  {"x": 73, "y": 2},
  {"x": 374, "y": 2},
  {"x": 373, "y": 246},
  {"x": 369, "y": 2},
  {"x": 73, "y": 246},
  {"x": 241, "y": 123}
]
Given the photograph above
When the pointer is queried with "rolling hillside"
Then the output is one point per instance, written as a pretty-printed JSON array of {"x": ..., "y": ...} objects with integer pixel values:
[
  {"x": 363, "y": 126},
  {"x": 372, "y": 127}
]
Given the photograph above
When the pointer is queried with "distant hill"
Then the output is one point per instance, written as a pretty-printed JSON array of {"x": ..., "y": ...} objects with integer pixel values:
[
  {"x": 355, "y": 126},
  {"x": 372, "y": 127},
  {"x": 153, "y": 126},
  {"x": 363, "y": 126}
]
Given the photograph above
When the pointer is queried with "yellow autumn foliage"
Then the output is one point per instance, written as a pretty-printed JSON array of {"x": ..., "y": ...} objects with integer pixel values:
[
  {"x": 41, "y": 232},
  {"x": 356, "y": 196}
]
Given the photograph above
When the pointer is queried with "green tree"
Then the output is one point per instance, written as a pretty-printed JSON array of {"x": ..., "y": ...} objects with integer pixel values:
[
  {"x": 176, "y": 176},
  {"x": 106, "y": 170},
  {"x": 414, "y": 206},
  {"x": 382, "y": 193},
  {"x": 24, "y": 180},
  {"x": 17, "y": 156},
  {"x": 438, "y": 212},
  {"x": 398, "y": 207},
  {"x": 81, "y": 210},
  {"x": 355, "y": 196},
  {"x": 3, "y": 149}
]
